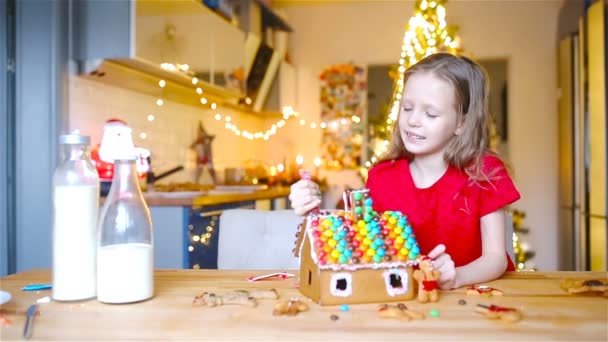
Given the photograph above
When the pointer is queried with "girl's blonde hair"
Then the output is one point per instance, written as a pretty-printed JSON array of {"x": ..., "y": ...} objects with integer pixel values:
[{"x": 465, "y": 151}]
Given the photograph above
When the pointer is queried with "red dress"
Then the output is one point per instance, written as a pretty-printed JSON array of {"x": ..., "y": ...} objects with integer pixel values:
[{"x": 449, "y": 211}]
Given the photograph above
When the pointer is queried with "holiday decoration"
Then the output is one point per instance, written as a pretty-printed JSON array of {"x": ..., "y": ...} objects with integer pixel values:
[
  {"x": 204, "y": 156},
  {"x": 343, "y": 102},
  {"x": 357, "y": 255},
  {"x": 427, "y": 32},
  {"x": 522, "y": 253}
]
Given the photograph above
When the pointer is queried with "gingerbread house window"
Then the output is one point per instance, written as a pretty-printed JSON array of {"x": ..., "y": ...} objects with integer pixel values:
[
  {"x": 396, "y": 281},
  {"x": 341, "y": 284}
]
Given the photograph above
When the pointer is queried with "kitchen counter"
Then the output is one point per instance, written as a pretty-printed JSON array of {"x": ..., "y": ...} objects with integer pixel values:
[
  {"x": 549, "y": 313},
  {"x": 201, "y": 198}
]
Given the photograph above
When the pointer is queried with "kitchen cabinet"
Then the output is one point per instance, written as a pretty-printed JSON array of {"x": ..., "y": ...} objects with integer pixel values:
[{"x": 154, "y": 36}]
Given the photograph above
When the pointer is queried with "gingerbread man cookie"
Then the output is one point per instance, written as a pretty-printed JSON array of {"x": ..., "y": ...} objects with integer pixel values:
[
  {"x": 290, "y": 308},
  {"x": 505, "y": 314},
  {"x": 237, "y": 297},
  {"x": 596, "y": 286},
  {"x": 399, "y": 311},
  {"x": 427, "y": 276},
  {"x": 483, "y": 290}
]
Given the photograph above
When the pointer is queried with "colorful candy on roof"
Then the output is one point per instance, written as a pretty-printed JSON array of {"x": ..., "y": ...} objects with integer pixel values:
[{"x": 360, "y": 237}]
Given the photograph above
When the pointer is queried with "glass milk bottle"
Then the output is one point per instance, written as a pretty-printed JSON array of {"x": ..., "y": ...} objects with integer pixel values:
[
  {"x": 75, "y": 212},
  {"x": 125, "y": 253}
]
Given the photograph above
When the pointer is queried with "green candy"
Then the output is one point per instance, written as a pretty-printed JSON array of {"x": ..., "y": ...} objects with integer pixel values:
[
  {"x": 358, "y": 196},
  {"x": 434, "y": 313}
]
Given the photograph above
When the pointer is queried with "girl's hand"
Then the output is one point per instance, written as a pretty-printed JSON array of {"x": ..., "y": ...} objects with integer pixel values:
[
  {"x": 443, "y": 263},
  {"x": 304, "y": 196}
]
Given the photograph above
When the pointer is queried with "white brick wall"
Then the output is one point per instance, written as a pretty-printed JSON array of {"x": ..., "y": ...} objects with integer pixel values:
[{"x": 172, "y": 131}]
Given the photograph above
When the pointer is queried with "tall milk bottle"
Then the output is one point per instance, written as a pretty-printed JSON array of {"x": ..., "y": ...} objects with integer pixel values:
[
  {"x": 125, "y": 253},
  {"x": 75, "y": 213}
]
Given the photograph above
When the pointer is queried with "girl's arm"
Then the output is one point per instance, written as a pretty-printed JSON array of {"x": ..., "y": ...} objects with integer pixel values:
[{"x": 489, "y": 266}]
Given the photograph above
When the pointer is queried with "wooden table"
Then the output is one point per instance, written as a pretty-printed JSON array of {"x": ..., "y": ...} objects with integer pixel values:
[{"x": 549, "y": 313}]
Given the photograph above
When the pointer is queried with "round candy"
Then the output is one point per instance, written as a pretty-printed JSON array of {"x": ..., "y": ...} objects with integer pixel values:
[
  {"x": 434, "y": 313},
  {"x": 357, "y": 196},
  {"x": 344, "y": 307}
]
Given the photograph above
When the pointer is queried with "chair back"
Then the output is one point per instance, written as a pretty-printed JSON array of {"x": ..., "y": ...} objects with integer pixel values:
[
  {"x": 257, "y": 239},
  {"x": 509, "y": 235}
]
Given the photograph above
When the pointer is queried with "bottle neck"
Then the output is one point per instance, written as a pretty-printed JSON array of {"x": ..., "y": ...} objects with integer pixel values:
[
  {"x": 125, "y": 177},
  {"x": 74, "y": 152}
]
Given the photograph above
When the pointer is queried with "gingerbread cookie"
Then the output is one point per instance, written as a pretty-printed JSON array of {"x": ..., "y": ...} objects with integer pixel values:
[
  {"x": 427, "y": 276},
  {"x": 505, "y": 314},
  {"x": 237, "y": 297},
  {"x": 289, "y": 308},
  {"x": 483, "y": 290},
  {"x": 595, "y": 286},
  {"x": 399, "y": 311}
]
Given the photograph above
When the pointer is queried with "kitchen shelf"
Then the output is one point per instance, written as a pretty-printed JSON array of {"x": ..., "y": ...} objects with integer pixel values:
[
  {"x": 270, "y": 18},
  {"x": 142, "y": 76}
]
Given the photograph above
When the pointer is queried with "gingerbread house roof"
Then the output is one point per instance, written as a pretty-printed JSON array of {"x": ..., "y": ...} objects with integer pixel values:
[{"x": 360, "y": 237}]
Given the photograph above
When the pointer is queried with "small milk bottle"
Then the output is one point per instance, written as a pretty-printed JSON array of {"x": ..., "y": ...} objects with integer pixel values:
[
  {"x": 125, "y": 254},
  {"x": 75, "y": 213}
]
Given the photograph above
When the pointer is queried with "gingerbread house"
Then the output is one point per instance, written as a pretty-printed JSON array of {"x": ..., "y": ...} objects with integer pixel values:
[{"x": 356, "y": 255}]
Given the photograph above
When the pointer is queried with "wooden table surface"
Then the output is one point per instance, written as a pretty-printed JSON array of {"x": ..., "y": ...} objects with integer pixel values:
[{"x": 549, "y": 313}]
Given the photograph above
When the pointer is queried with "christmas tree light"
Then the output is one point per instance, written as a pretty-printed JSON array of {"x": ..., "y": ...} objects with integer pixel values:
[{"x": 426, "y": 33}]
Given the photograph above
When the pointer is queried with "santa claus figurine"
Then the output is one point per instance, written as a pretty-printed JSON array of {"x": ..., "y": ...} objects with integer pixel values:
[{"x": 116, "y": 142}]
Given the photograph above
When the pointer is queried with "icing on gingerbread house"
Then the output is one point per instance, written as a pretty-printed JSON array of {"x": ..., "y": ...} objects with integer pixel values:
[{"x": 357, "y": 255}]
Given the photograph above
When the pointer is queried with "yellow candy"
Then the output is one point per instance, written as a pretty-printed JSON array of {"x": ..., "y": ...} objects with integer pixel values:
[
  {"x": 363, "y": 232},
  {"x": 367, "y": 241},
  {"x": 398, "y": 230},
  {"x": 392, "y": 220},
  {"x": 361, "y": 224},
  {"x": 404, "y": 251},
  {"x": 370, "y": 252},
  {"x": 335, "y": 254},
  {"x": 328, "y": 233},
  {"x": 332, "y": 243},
  {"x": 399, "y": 240},
  {"x": 332, "y": 260}
]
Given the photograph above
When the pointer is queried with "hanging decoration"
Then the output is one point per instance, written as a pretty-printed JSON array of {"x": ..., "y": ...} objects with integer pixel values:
[
  {"x": 426, "y": 33},
  {"x": 343, "y": 102}
]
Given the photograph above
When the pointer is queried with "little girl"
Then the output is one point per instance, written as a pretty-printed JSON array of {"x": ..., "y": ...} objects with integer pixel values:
[{"x": 439, "y": 172}]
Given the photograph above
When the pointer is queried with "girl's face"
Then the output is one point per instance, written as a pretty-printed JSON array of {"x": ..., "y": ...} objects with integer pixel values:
[{"x": 427, "y": 118}]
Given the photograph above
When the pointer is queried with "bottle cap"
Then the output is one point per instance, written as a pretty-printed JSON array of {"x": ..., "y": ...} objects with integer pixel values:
[{"x": 74, "y": 138}]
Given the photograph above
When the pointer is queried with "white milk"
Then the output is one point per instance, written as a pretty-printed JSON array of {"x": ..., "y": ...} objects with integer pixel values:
[
  {"x": 74, "y": 241},
  {"x": 124, "y": 273}
]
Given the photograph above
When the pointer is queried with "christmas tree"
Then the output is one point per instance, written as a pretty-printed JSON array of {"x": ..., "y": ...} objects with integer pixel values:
[{"x": 427, "y": 32}]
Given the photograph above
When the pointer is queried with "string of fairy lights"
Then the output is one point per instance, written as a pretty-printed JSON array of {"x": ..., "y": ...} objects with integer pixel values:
[
  {"x": 229, "y": 123},
  {"x": 426, "y": 33}
]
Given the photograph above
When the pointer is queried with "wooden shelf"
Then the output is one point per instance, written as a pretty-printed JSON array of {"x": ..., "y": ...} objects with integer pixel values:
[{"x": 142, "y": 76}]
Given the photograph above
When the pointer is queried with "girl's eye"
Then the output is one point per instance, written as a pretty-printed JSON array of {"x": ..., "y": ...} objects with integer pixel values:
[
  {"x": 431, "y": 115},
  {"x": 407, "y": 109}
]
